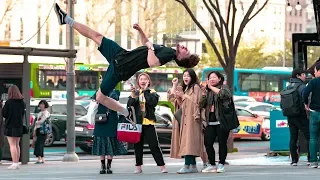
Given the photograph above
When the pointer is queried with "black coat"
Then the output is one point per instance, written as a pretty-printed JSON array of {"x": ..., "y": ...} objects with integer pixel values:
[{"x": 1, "y": 126}]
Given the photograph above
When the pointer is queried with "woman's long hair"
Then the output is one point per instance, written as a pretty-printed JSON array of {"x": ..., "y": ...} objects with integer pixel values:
[
  {"x": 147, "y": 76},
  {"x": 194, "y": 79},
  {"x": 14, "y": 93}
]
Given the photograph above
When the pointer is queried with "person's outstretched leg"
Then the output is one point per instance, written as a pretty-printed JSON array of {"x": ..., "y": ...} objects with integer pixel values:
[{"x": 84, "y": 30}]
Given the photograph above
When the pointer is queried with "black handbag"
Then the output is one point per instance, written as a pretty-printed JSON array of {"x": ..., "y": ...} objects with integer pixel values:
[
  {"x": 178, "y": 116},
  {"x": 101, "y": 118},
  {"x": 25, "y": 127}
]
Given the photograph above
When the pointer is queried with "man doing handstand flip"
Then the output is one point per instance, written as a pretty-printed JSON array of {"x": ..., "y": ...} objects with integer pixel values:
[{"x": 123, "y": 64}]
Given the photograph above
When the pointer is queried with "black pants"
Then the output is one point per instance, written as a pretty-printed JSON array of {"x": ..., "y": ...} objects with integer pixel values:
[
  {"x": 39, "y": 145},
  {"x": 295, "y": 124},
  {"x": 149, "y": 133},
  {"x": 210, "y": 134}
]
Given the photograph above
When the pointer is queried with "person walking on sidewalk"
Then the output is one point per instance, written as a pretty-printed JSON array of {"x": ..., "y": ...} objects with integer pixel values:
[
  {"x": 295, "y": 112},
  {"x": 314, "y": 107},
  {"x": 215, "y": 97},
  {"x": 14, "y": 112},
  {"x": 105, "y": 141},
  {"x": 39, "y": 132},
  {"x": 123, "y": 64},
  {"x": 146, "y": 99}
]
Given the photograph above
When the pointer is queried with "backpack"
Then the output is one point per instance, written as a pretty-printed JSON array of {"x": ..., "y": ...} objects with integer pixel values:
[{"x": 291, "y": 101}]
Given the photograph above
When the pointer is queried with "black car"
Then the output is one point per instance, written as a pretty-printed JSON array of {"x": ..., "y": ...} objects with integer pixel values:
[
  {"x": 58, "y": 116},
  {"x": 84, "y": 133}
]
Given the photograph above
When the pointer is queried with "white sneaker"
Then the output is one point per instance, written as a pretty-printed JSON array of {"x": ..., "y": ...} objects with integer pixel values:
[
  {"x": 220, "y": 168},
  {"x": 13, "y": 167},
  {"x": 210, "y": 169}
]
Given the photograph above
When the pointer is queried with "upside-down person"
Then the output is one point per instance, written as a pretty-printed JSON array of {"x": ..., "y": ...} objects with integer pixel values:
[{"x": 122, "y": 63}]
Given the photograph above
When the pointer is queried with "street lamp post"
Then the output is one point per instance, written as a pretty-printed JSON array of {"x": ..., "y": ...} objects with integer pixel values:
[{"x": 70, "y": 156}]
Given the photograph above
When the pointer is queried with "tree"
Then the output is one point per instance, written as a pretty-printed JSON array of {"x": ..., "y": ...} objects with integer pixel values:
[
  {"x": 8, "y": 5},
  {"x": 248, "y": 55},
  {"x": 230, "y": 38},
  {"x": 152, "y": 15},
  {"x": 101, "y": 16}
]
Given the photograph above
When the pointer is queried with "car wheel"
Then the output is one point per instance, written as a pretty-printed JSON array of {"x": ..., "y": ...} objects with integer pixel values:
[
  {"x": 128, "y": 146},
  {"x": 86, "y": 149},
  {"x": 50, "y": 139},
  {"x": 265, "y": 137},
  {"x": 167, "y": 117}
]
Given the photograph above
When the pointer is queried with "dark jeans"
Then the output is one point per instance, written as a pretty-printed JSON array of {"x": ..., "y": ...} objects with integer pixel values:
[
  {"x": 189, "y": 160},
  {"x": 149, "y": 132},
  {"x": 314, "y": 135},
  {"x": 210, "y": 134},
  {"x": 295, "y": 124},
  {"x": 39, "y": 145}
]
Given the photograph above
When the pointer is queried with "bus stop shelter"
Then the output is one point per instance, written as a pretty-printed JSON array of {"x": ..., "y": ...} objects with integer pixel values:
[{"x": 25, "y": 75}]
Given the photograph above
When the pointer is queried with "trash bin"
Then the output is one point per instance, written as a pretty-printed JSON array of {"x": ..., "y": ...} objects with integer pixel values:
[{"x": 279, "y": 131}]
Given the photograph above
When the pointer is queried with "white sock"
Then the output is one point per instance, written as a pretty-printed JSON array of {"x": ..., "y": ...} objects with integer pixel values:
[
  {"x": 69, "y": 20},
  {"x": 125, "y": 112},
  {"x": 15, "y": 164}
]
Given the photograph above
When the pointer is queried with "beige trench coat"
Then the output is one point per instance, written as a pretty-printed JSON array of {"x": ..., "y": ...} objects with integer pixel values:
[{"x": 189, "y": 140}]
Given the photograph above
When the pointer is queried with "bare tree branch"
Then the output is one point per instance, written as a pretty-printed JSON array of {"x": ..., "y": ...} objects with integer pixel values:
[
  {"x": 243, "y": 25},
  {"x": 231, "y": 39},
  {"x": 185, "y": 5},
  {"x": 228, "y": 12},
  {"x": 259, "y": 10},
  {"x": 9, "y": 4}
]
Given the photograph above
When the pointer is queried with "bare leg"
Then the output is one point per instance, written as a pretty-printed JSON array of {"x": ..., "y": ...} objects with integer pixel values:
[
  {"x": 18, "y": 148},
  {"x": 110, "y": 103},
  {"x": 13, "y": 149},
  {"x": 88, "y": 32}
]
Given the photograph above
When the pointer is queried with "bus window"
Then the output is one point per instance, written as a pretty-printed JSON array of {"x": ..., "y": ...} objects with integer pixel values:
[
  {"x": 163, "y": 82},
  {"x": 259, "y": 82},
  {"x": 56, "y": 79}
]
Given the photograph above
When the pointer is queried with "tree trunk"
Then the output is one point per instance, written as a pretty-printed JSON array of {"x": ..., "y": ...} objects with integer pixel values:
[{"x": 230, "y": 80}]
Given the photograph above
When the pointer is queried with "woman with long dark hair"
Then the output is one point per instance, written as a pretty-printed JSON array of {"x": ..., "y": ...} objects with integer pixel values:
[
  {"x": 39, "y": 132},
  {"x": 14, "y": 111},
  {"x": 187, "y": 138},
  {"x": 217, "y": 100}
]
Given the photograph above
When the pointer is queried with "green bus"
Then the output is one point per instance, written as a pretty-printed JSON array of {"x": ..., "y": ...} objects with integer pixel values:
[{"x": 49, "y": 80}]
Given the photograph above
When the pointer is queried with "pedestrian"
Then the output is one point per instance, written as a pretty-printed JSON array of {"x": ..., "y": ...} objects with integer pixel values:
[
  {"x": 39, "y": 131},
  {"x": 215, "y": 95},
  {"x": 314, "y": 107},
  {"x": 1, "y": 130},
  {"x": 105, "y": 141},
  {"x": 187, "y": 136},
  {"x": 123, "y": 64},
  {"x": 147, "y": 99},
  {"x": 293, "y": 108},
  {"x": 14, "y": 112}
]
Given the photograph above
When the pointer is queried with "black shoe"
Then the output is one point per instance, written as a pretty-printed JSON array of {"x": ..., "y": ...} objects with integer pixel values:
[
  {"x": 103, "y": 169},
  {"x": 132, "y": 115},
  {"x": 60, "y": 14},
  {"x": 109, "y": 171}
]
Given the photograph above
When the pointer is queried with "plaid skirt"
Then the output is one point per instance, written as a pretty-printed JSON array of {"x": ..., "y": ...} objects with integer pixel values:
[{"x": 103, "y": 146}]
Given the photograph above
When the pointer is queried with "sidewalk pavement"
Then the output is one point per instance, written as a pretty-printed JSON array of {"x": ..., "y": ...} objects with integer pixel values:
[{"x": 123, "y": 169}]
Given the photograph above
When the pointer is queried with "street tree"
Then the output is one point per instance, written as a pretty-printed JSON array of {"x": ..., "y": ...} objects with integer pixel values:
[
  {"x": 6, "y": 6},
  {"x": 102, "y": 17},
  {"x": 155, "y": 17},
  {"x": 226, "y": 27},
  {"x": 248, "y": 56}
]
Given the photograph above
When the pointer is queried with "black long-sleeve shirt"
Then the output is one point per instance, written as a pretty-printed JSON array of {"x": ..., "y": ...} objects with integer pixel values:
[
  {"x": 314, "y": 88},
  {"x": 13, "y": 111}
]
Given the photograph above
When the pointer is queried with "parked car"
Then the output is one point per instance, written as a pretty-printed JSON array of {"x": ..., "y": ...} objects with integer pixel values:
[
  {"x": 58, "y": 116},
  {"x": 260, "y": 108},
  {"x": 243, "y": 98},
  {"x": 251, "y": 125}
]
